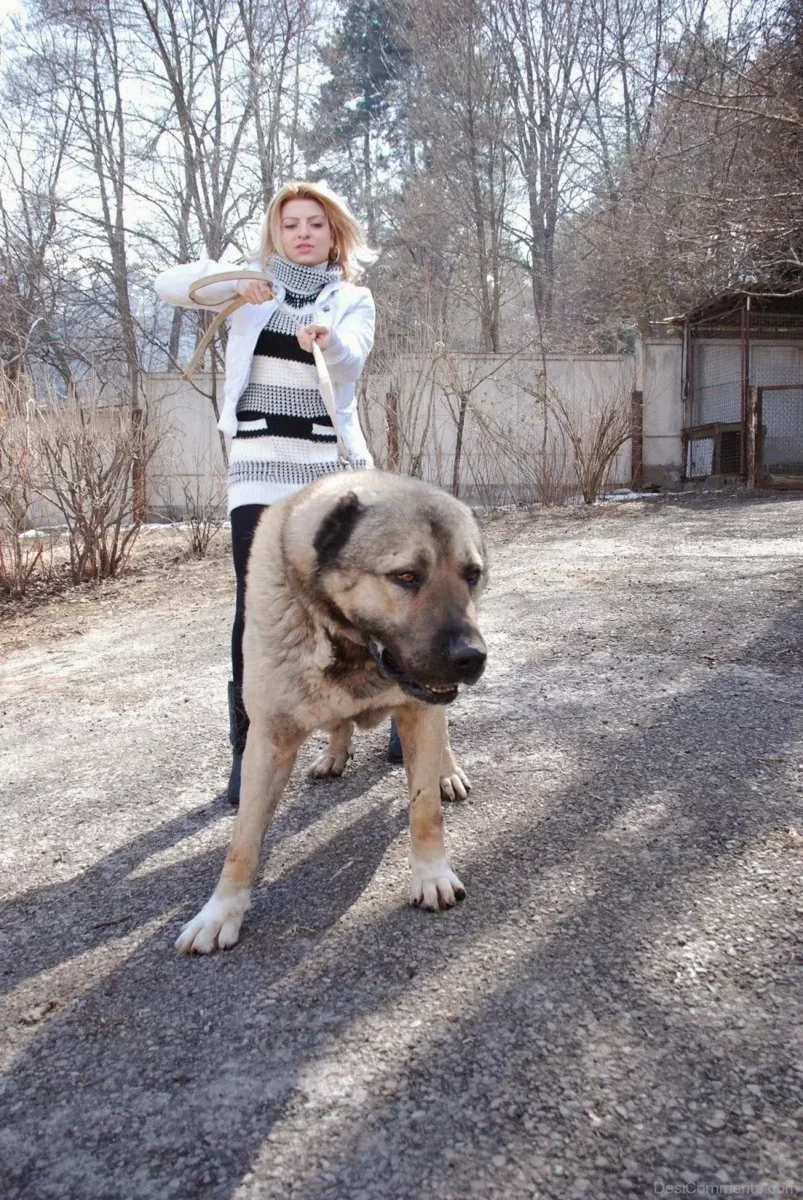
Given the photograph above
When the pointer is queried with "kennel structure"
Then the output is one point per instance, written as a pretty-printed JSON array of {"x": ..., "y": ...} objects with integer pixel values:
[{"x": 742, "y": 389}]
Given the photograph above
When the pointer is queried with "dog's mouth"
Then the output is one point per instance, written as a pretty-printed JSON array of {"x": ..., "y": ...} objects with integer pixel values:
[{"x": 430, "y": 693}]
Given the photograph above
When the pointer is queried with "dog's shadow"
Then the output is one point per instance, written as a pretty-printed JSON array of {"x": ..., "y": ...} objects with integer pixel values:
[
  {"x": 52, "y": 924},
  {"x": 187, "y": 1033}
]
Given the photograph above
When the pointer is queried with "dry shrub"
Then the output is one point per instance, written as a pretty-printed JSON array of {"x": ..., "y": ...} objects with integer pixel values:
[
  {"x": 595, "y": 432},
  {"x": 204, "y": 506},
  {"x": 189, "y": 483},
  {"x": 403, "y": 398},
  {"x": 88, "y": 456},
  {"x": 20, "y": 558},
  {"x": 197, "y": 501},
  {"x": 529, "y": 457},
  {"x": 398, "y": 394},
  {"x": 492, "y": 425},
  {"x": 519, "y": 460}
]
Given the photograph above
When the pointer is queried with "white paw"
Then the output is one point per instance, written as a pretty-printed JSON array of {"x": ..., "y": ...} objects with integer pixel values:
[
  {"x": 328, "y": 765},
  {"x": 435, "y": 885},
  {"x": 215, "y": 927},
  {"x": 455, "y": 786}
]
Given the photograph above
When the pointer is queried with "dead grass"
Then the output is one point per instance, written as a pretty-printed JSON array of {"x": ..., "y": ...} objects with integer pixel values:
[{"x": 161, "y": 567}]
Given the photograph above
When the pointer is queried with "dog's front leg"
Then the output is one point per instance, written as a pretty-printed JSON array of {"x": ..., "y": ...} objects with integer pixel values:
[
  {"x": 423, "y": 734},
  {"x": 270, "y": 753}
]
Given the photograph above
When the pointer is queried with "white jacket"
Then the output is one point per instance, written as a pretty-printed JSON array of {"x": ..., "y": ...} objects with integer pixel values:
[{"x": 348, "y": 309}]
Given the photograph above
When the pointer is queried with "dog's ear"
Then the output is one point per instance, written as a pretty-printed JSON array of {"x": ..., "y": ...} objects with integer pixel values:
[{"x": 336, "y": 529}]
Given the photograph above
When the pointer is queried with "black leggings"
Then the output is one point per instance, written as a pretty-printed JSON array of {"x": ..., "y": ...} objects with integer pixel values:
[{"x": 244, "y": 521}]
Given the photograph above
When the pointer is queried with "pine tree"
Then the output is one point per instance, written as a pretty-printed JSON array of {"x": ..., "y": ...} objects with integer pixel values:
[{"x": 359, "y": 115}]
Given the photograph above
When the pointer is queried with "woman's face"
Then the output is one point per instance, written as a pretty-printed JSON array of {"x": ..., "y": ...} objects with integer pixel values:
[{"x": 306, "y": 232}]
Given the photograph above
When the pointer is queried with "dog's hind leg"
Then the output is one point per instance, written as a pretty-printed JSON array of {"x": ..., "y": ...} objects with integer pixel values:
[
  {"x": 455, "y": 784},
  {"x": 424, "y": 738},
  {"x": 331, "y": 762},
  {"x": 270, "y": 753}
]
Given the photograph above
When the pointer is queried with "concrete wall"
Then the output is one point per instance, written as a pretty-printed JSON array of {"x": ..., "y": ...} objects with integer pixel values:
[
  {"x": 188, "y": 467},
  {"x": 511, "y": 437},
  {"x": 507, "y": 447}
]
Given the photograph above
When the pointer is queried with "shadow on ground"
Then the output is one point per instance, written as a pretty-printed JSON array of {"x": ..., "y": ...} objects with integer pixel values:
[{"x": 536, "y": 1041}]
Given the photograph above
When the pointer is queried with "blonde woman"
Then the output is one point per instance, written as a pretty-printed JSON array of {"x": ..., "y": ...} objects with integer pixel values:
[{"x": 282, "y": 437}]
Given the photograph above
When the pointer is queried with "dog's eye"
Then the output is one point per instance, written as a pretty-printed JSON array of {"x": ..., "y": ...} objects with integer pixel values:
[
  {"x": 408, "y": 579},
  {"x": 472, "y": 576}
]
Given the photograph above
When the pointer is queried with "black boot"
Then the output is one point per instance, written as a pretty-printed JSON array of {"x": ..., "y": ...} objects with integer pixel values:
[
  {"x": 395, "y": 753},
  {"x": 238, "y": 729}
]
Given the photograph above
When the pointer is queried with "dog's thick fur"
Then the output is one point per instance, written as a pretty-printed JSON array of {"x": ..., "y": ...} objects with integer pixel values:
[{"x": 360, "y": 602}]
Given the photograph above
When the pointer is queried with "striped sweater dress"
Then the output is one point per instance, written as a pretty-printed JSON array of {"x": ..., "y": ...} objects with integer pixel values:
[{"x": 285, "y": 438}]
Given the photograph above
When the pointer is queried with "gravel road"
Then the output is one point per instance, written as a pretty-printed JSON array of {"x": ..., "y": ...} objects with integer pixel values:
[{"x": 615, "y": 1008}]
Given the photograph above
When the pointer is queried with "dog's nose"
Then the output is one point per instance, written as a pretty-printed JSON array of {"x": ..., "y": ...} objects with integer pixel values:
[{"x": 467, "y": 657}]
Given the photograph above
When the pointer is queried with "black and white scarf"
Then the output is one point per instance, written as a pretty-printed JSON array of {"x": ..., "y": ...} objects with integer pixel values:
[{"x": 302, "y": 286}]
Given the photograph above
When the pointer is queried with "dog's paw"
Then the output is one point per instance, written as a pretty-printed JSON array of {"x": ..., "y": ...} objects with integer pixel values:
[
  {"x": 456, "y": 785},
  {"x": 329, "y": 765},
  {"x": 435, "y": 885},
  {"x": 215, "y": 927}
]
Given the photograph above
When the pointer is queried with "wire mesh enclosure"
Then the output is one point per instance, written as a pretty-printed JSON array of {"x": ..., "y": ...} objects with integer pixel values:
[
  {"x": 780, "y": 430},
  {"x": 737, "y": 342}
]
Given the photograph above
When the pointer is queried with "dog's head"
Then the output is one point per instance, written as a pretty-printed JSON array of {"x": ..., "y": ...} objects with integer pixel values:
[{"x": 403, "y": 564}]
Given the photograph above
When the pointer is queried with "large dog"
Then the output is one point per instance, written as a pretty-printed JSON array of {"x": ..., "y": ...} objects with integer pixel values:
[{"x": 361, "y": 601}]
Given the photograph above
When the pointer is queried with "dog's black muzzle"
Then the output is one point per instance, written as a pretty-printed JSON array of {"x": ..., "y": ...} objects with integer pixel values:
[
  {"x": 467, "y": 658},
  {"x": 463, "y": 661}
]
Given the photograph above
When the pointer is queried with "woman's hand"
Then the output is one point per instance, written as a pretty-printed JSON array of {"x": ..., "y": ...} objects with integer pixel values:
[
  {"x": 254, "y": 291},
  {"x": 307, "y": 334}
]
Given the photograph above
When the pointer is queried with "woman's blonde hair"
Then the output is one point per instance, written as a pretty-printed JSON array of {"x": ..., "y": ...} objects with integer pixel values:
[{"x": 349, "y": 244}]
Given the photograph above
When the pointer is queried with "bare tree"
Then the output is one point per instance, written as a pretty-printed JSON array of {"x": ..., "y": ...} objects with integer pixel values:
[
  {"x": 544, "y": 43},
  {"x": 227, "y": 72},
  {"x": 574, "y": 169},
  {"x": 84, "y": 53},
  {"x": 35, "y": 275},
  {"x": 445, "y": 245},
  {"x": 676, "y": 216}
]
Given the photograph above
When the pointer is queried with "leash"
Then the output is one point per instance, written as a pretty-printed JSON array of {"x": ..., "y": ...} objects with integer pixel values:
[{"x": 324, "y": 379}]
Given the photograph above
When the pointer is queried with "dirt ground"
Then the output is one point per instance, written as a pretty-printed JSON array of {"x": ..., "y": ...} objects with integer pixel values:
[{"x": 614, "y": 1009}]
